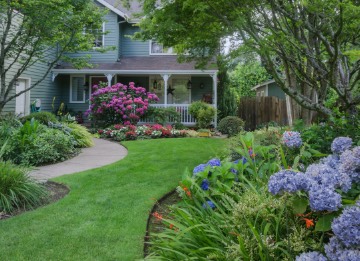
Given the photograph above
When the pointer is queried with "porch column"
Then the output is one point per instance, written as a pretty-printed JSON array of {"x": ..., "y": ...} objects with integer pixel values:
[
  {"x": 214, "y": 77},
  {"x": 165, "y": 78},
  {"x": 53, "y": 76},
  {"x": 109, "y": 78}
]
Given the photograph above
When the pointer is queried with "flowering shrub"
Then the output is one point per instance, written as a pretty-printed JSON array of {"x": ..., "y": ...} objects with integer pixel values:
[
  {"x": 131, "y": 132},
  {"x": 292, "y": 139},
  {"x": 119, "y": 104}
]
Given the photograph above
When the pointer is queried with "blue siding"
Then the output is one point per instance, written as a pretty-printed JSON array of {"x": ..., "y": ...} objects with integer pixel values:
[
  {"x": 275, "y": 90},
  {"x": 111, "y": 40},
  {"x": 45, "y": 90},
  {"x": 197, "y": 93},
  {"x": 129, "y": 47}
]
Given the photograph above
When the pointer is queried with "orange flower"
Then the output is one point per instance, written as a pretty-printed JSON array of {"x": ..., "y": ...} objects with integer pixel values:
[
  {"x": 309, "y": 222},
  {"x": 171, "y": 226},
  {"x": 188, "y": 193},
  {"x": 157, "y": 216}
]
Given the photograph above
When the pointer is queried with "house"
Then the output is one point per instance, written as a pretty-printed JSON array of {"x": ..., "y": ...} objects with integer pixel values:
[
  {"x": 147, "y": 63},
  {"x": 269, "y": 88}
]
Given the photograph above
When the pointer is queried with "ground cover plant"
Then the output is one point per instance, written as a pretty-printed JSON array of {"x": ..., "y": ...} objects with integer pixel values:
[
  {"x": 120, "y": 132},
  {"x": 104, "y": 215},
  {"x": 37, "y": 142},
  {"x": 229, "y": 212}
]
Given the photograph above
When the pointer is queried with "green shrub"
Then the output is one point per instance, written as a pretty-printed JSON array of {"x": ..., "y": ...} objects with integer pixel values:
[
  {"x": 83, "y": 138},
  {"x": 17, "y": 189},
  {"x": 203, "y": 113},
  {"x": 231, "y": 125},
  {"x": 320, "y": 136},
  {"x": 43, "y": 117},
  {"x": 35, "y": 144},
  {"x": 163, "y": 116},
  {"x": 48, "y": 147},
  {"x": 268, "y": 136}
]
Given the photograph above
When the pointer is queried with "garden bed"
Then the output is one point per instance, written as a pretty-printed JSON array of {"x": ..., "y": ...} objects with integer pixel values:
[{"x": 56, "y": 191}]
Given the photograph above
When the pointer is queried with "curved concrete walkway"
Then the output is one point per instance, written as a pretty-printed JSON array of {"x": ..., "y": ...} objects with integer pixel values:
[{"x": 102, "y": 153}]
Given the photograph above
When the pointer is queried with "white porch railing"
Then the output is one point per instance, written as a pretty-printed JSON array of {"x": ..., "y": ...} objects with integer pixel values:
[{"x": 182, "y": 109}]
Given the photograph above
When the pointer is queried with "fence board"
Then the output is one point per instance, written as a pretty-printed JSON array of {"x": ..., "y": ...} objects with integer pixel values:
[{"x": 261, "y": 110}]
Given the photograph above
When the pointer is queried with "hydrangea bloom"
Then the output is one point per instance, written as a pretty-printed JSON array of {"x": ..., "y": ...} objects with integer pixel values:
[
  {"x": 208, "y": 204},
  {"x": 336, "y": 251},
  {"x": 324, "y": 198},
  {"x": 214, "y": 163},
  {"x": 199, "y": 168},
  {"x": 289, "y": 181},
  {"x": 347, "y": 226},
  {"x": 340, "y": 144},
  {"x": 327, "y": 176},
  {"x": 331, "y": 160},
  {"x": 292, "y": 139},
  {"x": 311, "y": 256},
  {"x": 205, "y": 184},
  {"x": 350, "y": 163}
]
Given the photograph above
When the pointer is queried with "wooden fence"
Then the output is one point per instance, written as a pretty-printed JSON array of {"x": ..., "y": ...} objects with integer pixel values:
[{"x": 261, "y": 110}]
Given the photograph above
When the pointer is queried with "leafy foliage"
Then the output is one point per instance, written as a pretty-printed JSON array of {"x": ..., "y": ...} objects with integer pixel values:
[
  {"x": 163, "y": 116},
  {"x": 247, "y": 75},
  {"x": 43, "y": 117},
  {"x": 81, "y": 135},
  {"x": 34, "y": 28},
  {"x": 231, "y": 125},
  {"x": 17, "y": 189},
  {"x": 203, "y": 113}
]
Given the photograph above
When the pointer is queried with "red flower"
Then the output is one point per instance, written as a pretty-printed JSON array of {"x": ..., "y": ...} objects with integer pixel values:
[
  {"x": 157, "y": 216},
  {"x": 308, "y": 222}
]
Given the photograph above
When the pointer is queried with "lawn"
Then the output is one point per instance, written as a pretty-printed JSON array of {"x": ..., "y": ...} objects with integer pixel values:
[{"x": 104, "y": 216}]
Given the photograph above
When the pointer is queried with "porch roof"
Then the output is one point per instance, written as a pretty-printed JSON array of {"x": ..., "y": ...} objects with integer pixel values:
[{"x": 140, "y": 65}]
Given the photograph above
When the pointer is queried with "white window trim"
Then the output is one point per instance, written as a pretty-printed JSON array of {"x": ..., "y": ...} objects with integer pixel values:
[
  {"x": 151, "y": 53},
  {"x": 71, "y": 86}
]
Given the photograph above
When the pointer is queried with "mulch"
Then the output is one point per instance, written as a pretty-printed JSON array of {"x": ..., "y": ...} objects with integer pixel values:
[{"x": 56, "y": 191}]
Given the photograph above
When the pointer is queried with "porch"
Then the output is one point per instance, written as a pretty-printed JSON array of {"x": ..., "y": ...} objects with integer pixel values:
[{"x": 176, "y": 85}]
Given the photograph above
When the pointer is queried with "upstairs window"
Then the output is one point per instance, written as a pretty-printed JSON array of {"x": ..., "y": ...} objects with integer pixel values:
[
  {"x": 99, "y": 37},
  {"x": 159, "y": 49}
]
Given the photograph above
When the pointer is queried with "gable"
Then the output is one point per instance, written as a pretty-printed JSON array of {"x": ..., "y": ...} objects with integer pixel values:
[{"x": 128, "y": 13}]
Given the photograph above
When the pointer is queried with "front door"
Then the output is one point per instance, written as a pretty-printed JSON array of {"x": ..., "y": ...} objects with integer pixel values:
[{"x": 21, "y": 102}]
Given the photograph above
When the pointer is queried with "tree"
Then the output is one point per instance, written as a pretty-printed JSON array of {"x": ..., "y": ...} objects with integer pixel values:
[
  {"x": 309, "y": 46},
  {"x": 247, "y": 75},
  {"x": 42, "y": 31}
]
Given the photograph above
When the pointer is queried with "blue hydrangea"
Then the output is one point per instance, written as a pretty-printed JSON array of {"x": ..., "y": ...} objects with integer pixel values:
[
  {"x": 208, "y": 204},
  {"x": 350, "y": 163},
  {"x": 243, "y": 160},
  {"x": 199, "y": 168},
  {"x": 322, "y": 174},
  {"x": 311, "y": 256},
  {"x": 336, "y": 251},
  {"x": 324, "y": 198},
  {"x": 292, "y": 139},
  {"x": 347, "y": 226},
  {"x": 331, "y": 160},
  {"x": 288, "y": 181},
  {"x": 214, "y": 163},
  {"x": 205, "y": 184},
  {"x": 340, "y": 144}
]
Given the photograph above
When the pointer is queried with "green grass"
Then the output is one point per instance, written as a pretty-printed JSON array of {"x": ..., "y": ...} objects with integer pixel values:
[{"x": 104, "y": 216}]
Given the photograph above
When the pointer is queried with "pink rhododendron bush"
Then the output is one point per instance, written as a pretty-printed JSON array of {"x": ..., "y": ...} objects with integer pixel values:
[{"x": 119, "y": 103}]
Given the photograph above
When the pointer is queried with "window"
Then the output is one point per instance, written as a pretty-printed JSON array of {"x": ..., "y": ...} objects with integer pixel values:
[
  {"x": 77, "y": 89},
  {"x": 158, "y": 49},
  {"x": 99, "y": 37}
]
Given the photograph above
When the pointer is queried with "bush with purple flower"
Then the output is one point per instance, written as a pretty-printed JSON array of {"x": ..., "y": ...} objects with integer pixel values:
[
  {"x": 340, "y": 144},
  {"x": 311, "y": 256},
  {"x": 119, "y": 103},
  {"x": 292, "y": 139}
]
